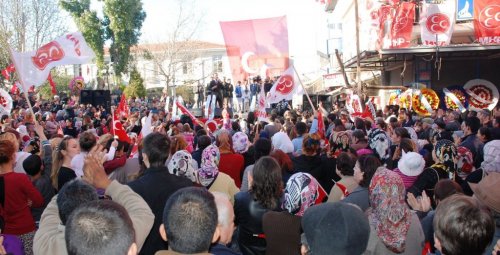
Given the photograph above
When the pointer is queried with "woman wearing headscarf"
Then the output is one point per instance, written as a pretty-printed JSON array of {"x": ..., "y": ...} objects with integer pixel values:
[
  {"x": 491, "y": 163},
  {"x": 394, "y": 228},
  {"x": 283, "y": 229},
  {"x": 230, "y": 163},
  {"x": 281, "y": 141},
  {"x": 241, "y": 145},
  {"x": 211, "y": 178},
  {"x": 264, "y": 195},
  {"x": 444, "y": 155},
  {"x": 181, "y": 164},
  {"x": 379, "y": 142}
]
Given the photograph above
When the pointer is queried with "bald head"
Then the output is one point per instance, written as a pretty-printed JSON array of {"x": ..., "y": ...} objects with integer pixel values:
[{"x": 225, "y": 216}]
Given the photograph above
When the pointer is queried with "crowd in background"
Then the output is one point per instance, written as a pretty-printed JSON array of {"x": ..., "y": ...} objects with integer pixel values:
[{"x": 396, "y": 183}]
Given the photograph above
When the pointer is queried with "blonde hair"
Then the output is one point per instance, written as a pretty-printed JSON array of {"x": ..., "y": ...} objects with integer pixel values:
[
  {"x": 178, "y": 143},
  {"x": 12, "y": 138}
]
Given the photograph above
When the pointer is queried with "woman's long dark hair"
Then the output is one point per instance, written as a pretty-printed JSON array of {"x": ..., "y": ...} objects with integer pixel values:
[
  {"x": 368, "y": 164},
  {"x": 267, "y": 186}
]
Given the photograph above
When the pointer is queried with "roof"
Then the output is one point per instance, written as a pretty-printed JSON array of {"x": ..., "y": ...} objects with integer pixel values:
[{"x": 157, "y": 47}]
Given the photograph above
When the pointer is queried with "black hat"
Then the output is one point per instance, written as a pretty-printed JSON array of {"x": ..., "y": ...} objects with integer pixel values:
[{"x": 336, "y": 228}]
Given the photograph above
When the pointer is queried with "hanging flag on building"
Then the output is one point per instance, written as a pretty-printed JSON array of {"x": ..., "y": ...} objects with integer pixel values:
[
  {"x": 256, "y": 47},
  {"x": 385, "y": 18},
  {"x": 487, "y": 21},
  {"x": 437, "y": 23},
  {"x": 402, "y": 25},
  {"x": 33, "y": 67},
  {"x": 285, "y": 87}
]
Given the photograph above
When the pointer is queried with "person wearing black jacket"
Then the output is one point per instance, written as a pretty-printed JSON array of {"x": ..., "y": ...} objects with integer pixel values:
[
  {"x": 156, "y": 186},
  {"x": 228, "y": 93},
  {"x": 216, "y": 87}
]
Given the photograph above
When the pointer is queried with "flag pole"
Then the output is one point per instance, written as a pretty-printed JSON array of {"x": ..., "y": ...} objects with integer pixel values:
[
  {"x": 25, "y": 90},
  {"x": 305, "y": 90}
]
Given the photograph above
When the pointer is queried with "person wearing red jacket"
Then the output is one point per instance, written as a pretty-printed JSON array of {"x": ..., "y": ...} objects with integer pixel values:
[{"x": 17, "y": 196}]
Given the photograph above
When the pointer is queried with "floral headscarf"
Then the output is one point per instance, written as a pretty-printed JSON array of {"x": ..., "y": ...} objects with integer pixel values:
[
  {"x": 180, "y": 165},
  {"x": 209, "y": 169},
  {"x": 446, "y": 153},
  {"x": 281, "y": 141},
  {"x": 389, "y": 216},
  {"x": 339, "y": 142},
  {"x": 380, "y": 143},
  {"x": 491, "y": 161},
  {"x": 301, "y": 193},
  {"x": 240, "y": 142}
]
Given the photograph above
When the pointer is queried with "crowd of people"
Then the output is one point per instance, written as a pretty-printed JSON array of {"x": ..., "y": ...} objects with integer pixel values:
[{"x": 397, "y": 183}]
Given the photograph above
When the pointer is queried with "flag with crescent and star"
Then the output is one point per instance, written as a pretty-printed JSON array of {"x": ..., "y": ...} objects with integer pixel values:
[
  {"x": 256, "y": 47},
  {"x": 119, "y": 131}
]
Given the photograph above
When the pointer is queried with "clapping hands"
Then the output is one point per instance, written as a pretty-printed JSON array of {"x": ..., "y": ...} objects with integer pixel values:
[
  {"x": 422, "y": 203},
  {"x": 93, "y": 168}
]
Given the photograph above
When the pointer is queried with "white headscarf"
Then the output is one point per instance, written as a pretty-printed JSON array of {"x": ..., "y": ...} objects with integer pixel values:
[
  {"x": 281, "y": 141},
  {"x": 491, "y": 161}
]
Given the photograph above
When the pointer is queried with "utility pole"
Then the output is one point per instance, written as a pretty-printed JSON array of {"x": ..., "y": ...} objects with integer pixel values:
[{"x": 358, "y": 63}]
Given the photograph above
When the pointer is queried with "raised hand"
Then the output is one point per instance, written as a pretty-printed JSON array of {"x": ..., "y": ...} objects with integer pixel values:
[{"x": 93, "y": 169}]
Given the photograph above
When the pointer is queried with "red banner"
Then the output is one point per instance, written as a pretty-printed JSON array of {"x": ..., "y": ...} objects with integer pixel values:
[
  {"x": 6, "y": 72},
  {"x": 256, "y": 47},
  {"x": 402, "y": 25},
  {"x": 52, "y": 85},
  {"x": 487, "y": 21},
  {"x": 384, "y": 21}
]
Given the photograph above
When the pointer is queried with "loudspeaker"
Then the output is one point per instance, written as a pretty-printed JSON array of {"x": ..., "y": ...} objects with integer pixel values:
[
  {"x": 96, "y": 98},
  {"x": 218, "y": 112}
]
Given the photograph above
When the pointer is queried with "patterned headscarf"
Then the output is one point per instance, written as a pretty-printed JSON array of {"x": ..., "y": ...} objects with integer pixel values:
[
  {"x": 446, "y": 153},
  {"x": 301, "y": 193},
  {"x": 180, "y": 165},
  {"x": 240, "y": 142},
  {"x": 380, "y": 143},
  {"x": 209, "y": 169},
  {"x": 491, "y": 161},
  {"x": 465, "y": 163},
  {"x": 390, "y": 216},
  {"x": 281, "y": 141},
  {"x": 339, "y": 142}
]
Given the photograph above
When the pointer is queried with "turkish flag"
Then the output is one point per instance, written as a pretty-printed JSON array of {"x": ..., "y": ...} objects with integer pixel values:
[
  {"x": 285, "y": 87},
  {"x": 119, "y": 131},
  {"x": 52, "y": 85},
  {"x": 122, "y": 110},
  {"x": 256, "y": 47},
  {"x": 487, "y": 21},
  {"x": 436, "y": 23},
  {"x": 6, "y": 72},
  {"x": 402, "y": 25}
]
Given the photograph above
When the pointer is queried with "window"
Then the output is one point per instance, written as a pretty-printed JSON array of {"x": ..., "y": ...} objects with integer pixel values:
[
  {"x": 187, "y": 68},
  {"x": 217, "y": 64}
]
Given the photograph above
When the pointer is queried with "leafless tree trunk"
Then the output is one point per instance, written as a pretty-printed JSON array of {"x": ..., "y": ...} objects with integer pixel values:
[{"x": 180, "y": 47}]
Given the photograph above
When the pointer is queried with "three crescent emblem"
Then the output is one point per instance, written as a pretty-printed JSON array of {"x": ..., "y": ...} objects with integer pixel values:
[
  {"x": 438, "y": 23},
  {"x": 489, "y": 17},
  {"x": 285, "y": 84}
]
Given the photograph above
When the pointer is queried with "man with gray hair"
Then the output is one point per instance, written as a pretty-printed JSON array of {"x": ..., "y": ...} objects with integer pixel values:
[
  {"x": 225, "y": 224},
  {"x": 452, "y": 123}
]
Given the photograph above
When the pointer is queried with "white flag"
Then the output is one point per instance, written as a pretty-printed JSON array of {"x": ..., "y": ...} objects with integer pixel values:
[
  {"x": 285, "y": 87},
  {"x": 33, "y": 67},
  {"x": 260, "y": 112},
  {"x": 436, "y": 23}
]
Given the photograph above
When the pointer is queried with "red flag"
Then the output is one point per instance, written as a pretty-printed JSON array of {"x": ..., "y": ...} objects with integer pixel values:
[
  {"x": 487, "y": 21},
  {"x": 6, "y": 72},
  {"x": 257, "y": 46},
  {"x": 402, "y": 25},
  {"x": 384, "y": 21},
  {"x": 184, "y": 110},
  {"x": 321, "y": 124},
  {"x": 118, "y": 130},
  {"x": 122, "y": 110},
  {"x": 52, "y": 84},
  {"x": 14, "y": 89}
]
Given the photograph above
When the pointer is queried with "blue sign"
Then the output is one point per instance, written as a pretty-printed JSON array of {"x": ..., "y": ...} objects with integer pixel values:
[{"x": 465, "y": 10}]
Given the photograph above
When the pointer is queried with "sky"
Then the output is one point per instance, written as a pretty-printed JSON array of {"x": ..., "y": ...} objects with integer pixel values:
[{"x": 306, "y": 20}]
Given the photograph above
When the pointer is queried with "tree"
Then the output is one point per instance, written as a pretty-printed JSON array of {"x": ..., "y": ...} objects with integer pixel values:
[
  {"x": 135, "y": 87},
  {"x": 125, "y": 22},
  {"x": 181, "y": 45}
]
